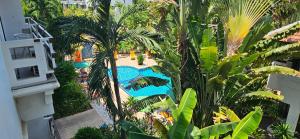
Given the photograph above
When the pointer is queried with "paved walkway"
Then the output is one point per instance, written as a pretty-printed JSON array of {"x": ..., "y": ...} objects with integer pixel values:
[
  {"x": 101, "y": 110},
  {"x": 68, "y": 126}
]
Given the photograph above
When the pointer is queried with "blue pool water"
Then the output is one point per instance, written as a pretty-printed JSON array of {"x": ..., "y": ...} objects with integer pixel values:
[{"x": 128, "y": 74}]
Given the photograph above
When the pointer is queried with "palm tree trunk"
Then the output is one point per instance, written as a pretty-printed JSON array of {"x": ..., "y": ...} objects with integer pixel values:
[
  {"x": 117, "y": 91},
  {"x": 116, "y": 86}
]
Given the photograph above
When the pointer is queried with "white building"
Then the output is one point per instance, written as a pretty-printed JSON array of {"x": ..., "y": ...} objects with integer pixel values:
[
  {"x": 79, "y": 3},
  {"x": 26, "y": 75}
]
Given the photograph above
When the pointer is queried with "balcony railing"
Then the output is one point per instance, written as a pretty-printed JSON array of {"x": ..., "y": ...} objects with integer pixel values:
[
  {"x": 30, "y": 55},
  {"x": 37, "y": 30}
]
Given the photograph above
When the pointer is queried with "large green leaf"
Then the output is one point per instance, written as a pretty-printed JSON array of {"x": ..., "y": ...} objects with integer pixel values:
[
  {"x": 213, "y": 130},
  {"x": 209, "y": 57},
  {"x": 130, "y": 127},
  {"x": 183, "y": 115},
  {"x": 265, "y": 94},
  {"x": 164, "y": 105},
  {"x": 245, "y": 61},
  {"x": 225, "y": 65},
  {"x": 226, "y": 113},
  {"x": 208, "y": 39},
  {"x": 248, "y": 124},
  {"x": 161, "y": 129}
]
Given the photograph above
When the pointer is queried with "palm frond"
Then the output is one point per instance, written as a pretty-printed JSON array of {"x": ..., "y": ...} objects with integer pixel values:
[
  {"x": 283, "y": 49},
  {"x": 276, "y": 36},
  {"x": 99, "y": 82},
  {"x": 241, "y": 17},
  {"x": 141, "y": 36},
  {"x": 265, "y": 95},
  {"x": 276, "y": 70}
]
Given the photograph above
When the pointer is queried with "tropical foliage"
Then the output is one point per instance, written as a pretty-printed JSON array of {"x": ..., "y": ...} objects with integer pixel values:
[
  {"x": 220, "y": 48},
  {"x": 184, "y": 129},
  {"x": 281, "y": 131},
  {"x": 69, "y": 98},
  {"x": 223, "y": 78},
  {"x": 95, "y": 133},
  {"x": 42, "y": 10},
  {"x": 286, "y": 12},
  {"x": 106, "y": 31}
]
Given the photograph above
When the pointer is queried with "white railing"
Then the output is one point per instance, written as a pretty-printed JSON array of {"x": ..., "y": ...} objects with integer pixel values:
[{"x": 37, "y": 30}]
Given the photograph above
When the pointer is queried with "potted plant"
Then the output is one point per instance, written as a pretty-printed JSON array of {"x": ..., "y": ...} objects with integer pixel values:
[{"x": 140, "y": 59}]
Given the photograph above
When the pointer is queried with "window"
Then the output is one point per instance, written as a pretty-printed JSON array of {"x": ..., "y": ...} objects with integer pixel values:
[
  {"x": 27, "y": 72},
  {"x": 22, "y": 52},
  {"x": 50, "y": 64}
]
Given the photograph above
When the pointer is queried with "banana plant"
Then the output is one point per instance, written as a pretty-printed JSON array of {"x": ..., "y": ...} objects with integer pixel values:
[
  {"x": 182, "y": 116},
  {"x": 184, "y": 129}
]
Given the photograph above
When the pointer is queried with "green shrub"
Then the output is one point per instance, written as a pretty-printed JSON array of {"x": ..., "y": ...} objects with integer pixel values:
[
  {"x": 95, "y": 133},
  {"x": 140, "y": 59},
  {"x": 69, "y": 100},
  {"x": 65, "y": 72},
  {"x": 88, "y": 133},
  {"x": 281, "y": 131}
]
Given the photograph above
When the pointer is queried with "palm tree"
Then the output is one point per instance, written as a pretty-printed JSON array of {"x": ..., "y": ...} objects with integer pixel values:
[{"x": 106, "y": 31}]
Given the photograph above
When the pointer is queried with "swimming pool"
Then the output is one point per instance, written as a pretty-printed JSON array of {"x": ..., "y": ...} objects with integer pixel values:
[{"x": 128, "y": 76}]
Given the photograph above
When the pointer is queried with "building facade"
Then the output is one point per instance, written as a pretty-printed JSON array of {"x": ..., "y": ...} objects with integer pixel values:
[
  {"x": 27, "y": 75},
  {"x": 79, "y": 3}
]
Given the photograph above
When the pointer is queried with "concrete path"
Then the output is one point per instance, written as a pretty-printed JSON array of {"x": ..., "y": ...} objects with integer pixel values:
[
  {"x": 68, "y": 126},
  {"x": 101, "y": 110}
]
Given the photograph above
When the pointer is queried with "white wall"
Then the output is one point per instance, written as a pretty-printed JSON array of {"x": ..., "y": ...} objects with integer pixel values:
[
  {"x": 113, "y": 2},
  {"x": 39, "y": 129},
  {"x": 10, "y": 125},
  {"x": 12, "y": 17},
  {"x": 40, "y": 61}
]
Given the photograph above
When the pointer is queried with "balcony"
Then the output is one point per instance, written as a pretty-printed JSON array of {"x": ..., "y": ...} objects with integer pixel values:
[{"x": 29, "y": 59}]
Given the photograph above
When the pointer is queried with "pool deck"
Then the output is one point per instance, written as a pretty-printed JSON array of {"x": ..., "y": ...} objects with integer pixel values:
[{"x": 124, "y": 60}]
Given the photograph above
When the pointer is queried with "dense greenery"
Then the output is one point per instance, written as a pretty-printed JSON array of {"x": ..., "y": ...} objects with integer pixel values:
[
  {"x": 183, "y": 128},
  {"x": 235, "y": 79},
  {"x": 106, "y": 31},
  {"x": 42, "y": 10},
  {"x": 281, "y": 131},
  {"x": 69, "y": 98},
  {"x": 286, "y": 12},
  {"x": 217, "y": 47},
  {"x": 65, "y": 72},
  {"x": 96, "y": 133}
]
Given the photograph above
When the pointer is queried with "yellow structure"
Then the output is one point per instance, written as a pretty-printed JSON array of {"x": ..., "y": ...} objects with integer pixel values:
[
  {"x": 132, "y": 55},
  {"x": 116, "y": 54}
]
